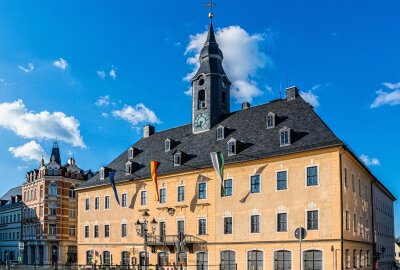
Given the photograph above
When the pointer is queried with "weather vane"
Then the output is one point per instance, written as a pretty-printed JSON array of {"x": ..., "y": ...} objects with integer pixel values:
[{"x": 210, "y": 6}]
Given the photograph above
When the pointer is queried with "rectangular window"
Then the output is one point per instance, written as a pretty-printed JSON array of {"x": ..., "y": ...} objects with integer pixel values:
[
  {"x": 52, "y": 229},
  {"x": 359, "y": 187},
  {"x": 72, "y": 213},
  {"x": 347, "y": 221},
  {"x": 361, "y": 226},
  {"x": 163, "y": 195},
  {"x": 228, "y": 188},
  {"x": 89, "y": 257},
  {"x": 124, "y": 200},
  {"x": 255, "y": 224},
  {"x": 97, "y": 203},
  {"x": 312, "y": 220},
  {"x": 355, "y": 222},
  {"x": 107, "y": 231},
  {"x": 181, "y": 226},
  {"x": 282, "y": 222},
  {"x": 202, "y": 191},
  {"x": 255, "y": 184},
  {"x": 72, "y": 230},
  {"x": 281, "y": 180},
  {"x": 181, "y": 193},
  {"x": 86, "y": 231},
  {"x": 87, "y": 204},
  {"x": 96, "y": 231},
  {"x": 346, "y": 184},
  {"x": 123, "y": 230},
  {"x": 107, "y": 202},
  {"x": 353, "y": 182},
  {"x": 143, "y": 198},
  {"x": 202, "y": 226},
  {"x": 227, "y": 225},
  {"x": 312, "y": 176}
]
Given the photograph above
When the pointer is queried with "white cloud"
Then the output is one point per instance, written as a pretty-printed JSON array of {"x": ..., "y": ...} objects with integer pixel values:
[
  {"x": 387, "y": 98},
  {"x": 105, "y": 115},
  {"x": 70, "y": 154},
  {"x": 243, "y": 57},
  {"x": 42, "y": 125},
  {"x": 103, "y": 101},
  {"x": 28, "y": 69},
  {"x": 61, "y": 63},
  {"x": 135, "y": 115},
  {"x": 113, "y": 73},
  {"x": 101, "y": 74},
  {"x": 310, "y": 97},
  {"x": 370, "y": 161},
  {"x": 29, "y": 151}
]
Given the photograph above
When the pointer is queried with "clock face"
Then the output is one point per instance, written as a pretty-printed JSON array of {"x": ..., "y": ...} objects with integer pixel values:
[{"x": 200, "y": 122}]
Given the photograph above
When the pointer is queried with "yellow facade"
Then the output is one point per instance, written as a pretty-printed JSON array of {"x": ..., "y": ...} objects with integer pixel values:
[{"x": 330, "y": 198}]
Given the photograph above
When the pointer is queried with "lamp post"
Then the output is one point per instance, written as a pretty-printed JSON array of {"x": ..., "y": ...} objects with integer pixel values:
[{"x": 142, "y": 231}]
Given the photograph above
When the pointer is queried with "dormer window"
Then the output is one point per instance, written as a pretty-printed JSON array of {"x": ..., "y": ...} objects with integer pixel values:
[
  {"x": 130, "y": 153},
  {"x": 167, "y": 145},
  {"x": 177, "y": 158},
  {"x": 232, "y": 147},
  {"x": 220, "y": 133},
  {"x": 285, "y": 136},
  {"x": 270, "y": 120},
  {"x": 128, "y": 167},
  {"x": 102, "y": 173}
]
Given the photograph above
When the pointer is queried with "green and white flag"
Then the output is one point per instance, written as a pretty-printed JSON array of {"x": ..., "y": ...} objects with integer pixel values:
[{"x": 217, "y": 159}]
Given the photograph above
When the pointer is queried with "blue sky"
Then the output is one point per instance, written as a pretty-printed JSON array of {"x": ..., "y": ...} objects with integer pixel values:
[{"x": 93, "y": 73}]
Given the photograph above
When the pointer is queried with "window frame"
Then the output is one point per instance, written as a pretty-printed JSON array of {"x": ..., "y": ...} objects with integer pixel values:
[
  {"x": 231, "y": 188},
  {"x": 124, "y": 230},
  {"x": 277, "y": 180},
  {"x": 164, "y": 196},
  {"x": 231, "y": 147},
  {"x": 180, "y": 196},
  {"x": 200, "y": 227},
  {"x": 252, "y": 229},
  {"x": 318, "y": 175},
  {"x": 86, "y": 232},
  {"x": 143, "y": 199},
  {"x": 200, "y": 192},
  {"x": 257, "y": 261},
  {"x": 278, "y": 223},
  {"x": 318, "y": 219},
  {"x": 220, "y": 133},
  {"x": 106, "y": 230},
  {"x": 225, "y": 231},
  {"x": 124, "y": 200},
  {"x": 87, "y": 204},
  {"x": 227, "y": 264},
  {"x": 275, "y": 260},
  {"x": 107, "y": 202},
  {"x": 314, "y": 250},
  {"x": 96, "y": 203},
  {"x": 259, "y": 184}
]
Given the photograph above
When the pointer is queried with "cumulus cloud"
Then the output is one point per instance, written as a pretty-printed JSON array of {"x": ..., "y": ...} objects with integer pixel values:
[
  {"x": 61, "y": 64},
  {"x": 42, "y": 125},
  {"x": 29, "y": 151},
  {"x": 103, "y": 101},
  {"x": 136, "y": 115},
  {"x": 370, "y": 161},
  {"x": 113, "y": 73},
  {"x": 387, "y": 97},
  {"x": 311, "y": 97},
  {"x": 243, "y": 58},
  {"x": 101, "y": 74},
  {"x": 28, "y": 69}
]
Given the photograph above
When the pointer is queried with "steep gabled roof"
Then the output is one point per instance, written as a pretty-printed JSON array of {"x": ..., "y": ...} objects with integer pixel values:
[
  {"x": 12, "y": 193},
  {"x": 247, "y": 126}
]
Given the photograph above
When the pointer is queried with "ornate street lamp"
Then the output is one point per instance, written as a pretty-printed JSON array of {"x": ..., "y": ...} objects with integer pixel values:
[{"x": 142, "y": 231}]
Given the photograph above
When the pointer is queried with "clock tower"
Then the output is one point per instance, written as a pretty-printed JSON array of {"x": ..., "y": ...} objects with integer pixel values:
[{"x": 210, "y": 86}]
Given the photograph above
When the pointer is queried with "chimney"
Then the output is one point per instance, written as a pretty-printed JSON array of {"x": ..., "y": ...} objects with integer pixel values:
[
  {"x": 148, "y": 131},
  {"x": 292, "y": 93},
  {"x": 245, "y": 105}
]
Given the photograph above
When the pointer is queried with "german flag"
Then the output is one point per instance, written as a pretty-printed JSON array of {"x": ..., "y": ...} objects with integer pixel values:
[{"x": 153, "y": 171}]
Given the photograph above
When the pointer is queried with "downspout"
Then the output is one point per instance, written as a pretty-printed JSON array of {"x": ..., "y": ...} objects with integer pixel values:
[{"x": 341, "y": 209}]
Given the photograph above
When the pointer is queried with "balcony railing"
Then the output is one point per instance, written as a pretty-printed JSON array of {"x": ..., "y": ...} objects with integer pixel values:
[{"x": 170, "y": 241}]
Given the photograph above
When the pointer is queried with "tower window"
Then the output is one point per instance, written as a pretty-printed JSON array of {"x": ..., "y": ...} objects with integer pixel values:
[
  {"x": 201, "y": 82},
  {"x": 232, "y": 147},
  {"x": 270, "y": 120},
  {"x": 201, "y": 99}
]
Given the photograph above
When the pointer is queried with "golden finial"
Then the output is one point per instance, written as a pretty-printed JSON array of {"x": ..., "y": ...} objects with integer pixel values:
[
  {"x": 210, "y": 6},
  {"x": 210, "y": 15}
]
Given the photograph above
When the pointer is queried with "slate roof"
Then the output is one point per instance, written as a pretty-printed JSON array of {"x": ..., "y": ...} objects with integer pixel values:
[
  {"x": 12, "y": 193},
  {"x": 247, "y": 126}
]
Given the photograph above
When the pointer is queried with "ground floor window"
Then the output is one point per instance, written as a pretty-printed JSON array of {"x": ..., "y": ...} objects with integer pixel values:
[
  {"x": 312, "y": 260},
  {"x": 347, "y": 259},
  {"x": 106, "y": 258},
  {"x": 255, "y": 260},
  {"x": 228, "y": 260},
  {"x": 181, "y": 258},
  {"x": 125, "y": 258},
  {"x": 163, "y": 258},
  {"x": 89, "y": 257},
  {"x": 202, "y": 261},
  {"x": 282, "y": 260}
]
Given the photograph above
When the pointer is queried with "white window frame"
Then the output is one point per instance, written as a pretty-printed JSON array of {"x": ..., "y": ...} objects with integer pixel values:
[
  {"x": 166, "y": 193},
  {"x": 198, "y": 226},
  {"x": 287, "y": 180},
  {"x": 259, "y": 223},
  {"x": 105, "y": 202},
  {"x": 223, "y": 224},
  {"x": 306, "y": 219},
  {"x": 318, "y": 175},
  {"x": 198, "y": 188},
  {"x": 287, "y": 221},
  {"x": 229, "y": 178},
  {"x": 259, "y": 175},
  {"x": 126, "y": 199}
]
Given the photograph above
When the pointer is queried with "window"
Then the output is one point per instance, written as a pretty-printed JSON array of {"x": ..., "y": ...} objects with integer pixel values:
[
  {"x": 163, "y": 195},
  {"x": 87, "y": 204},
  {"x": 228, "y": 188},
  {"x": 97, "y": 203},
  {"x": 201, "y": 99},
  {"x": 220, "y": 133},
  {"x": 202, "y": 190},
  {"x": 53, "y": 210},
  {"x": 86, "y": 231},
  {"x": 282, "y": 222},
  {"x": 107, "y": 230},
  {"x": 231, "y": 147},
  {"x": 128, "y": 167},
  {"x": 359, "y": 187},
  {"x": 125, "y": 258},
  {"x": 270, "y": 120},
  {"x": 123, "y": 230},
  {"x": 52, "y": 229},
  {"x": 143, "y": 198},
  {"x": 53, "y": 189},
  {"x": 255, "y": 260},
  {"x": 282, "y": 260},
  {"x": 228, "y": 260},
  {"x": 368, "y": 258},
  {"x": 284, "y": 136},
  {"x": 89, "y": 257},
  {"x": 181, "y": 193},
  {"x": 167, "y": 145},
  {"x": 346, "y": 184},
  {"x": 254, "y": 224},
  {"x": 202, "y": 226},
  {"x": 347, "y": 259},
  {"x": 101, "y": 173},
  {"x": 312, "y": 220},
  {"x": 107, "y": 202},
  {"x": 181, "y": 226},
  {"x": 361, "y": 258},
  {"x": 163, "y": 259},
  {"x": 354, "y": 258},
  {"x": 72, "y": 230},
  {"x": 177, "y": 159},
  {"x": 106, "y": 258},
  {"x": 96, "y": 231},
  {"x": 124, "y": 200},
  {"x": 313, "y": 260},
  {"x": 312, "y": 176},
  {"x": 202, "y": 261},
  {"x": 353, "y": 182},
  {"x": 355, "y": 222},
  {"x": 130, "y": 153},
  {"x": 72, "y": 194},
  {"x": 163, "y": 230},
  {"x": 347, "y": 221},
  {"x": 281, "y": 178},
  {"x": 361, "y": 226},
  {"x": 255, "y": 183},
  {"x": 227, "y": 225}
]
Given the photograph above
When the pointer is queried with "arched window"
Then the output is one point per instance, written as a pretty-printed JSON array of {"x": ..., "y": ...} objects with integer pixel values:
[
  {"x": 106, "y": 258},
  {"x": 201, "y": 99},
  {"x": 167, "y": 145},
  {"x": 285, "y": 136},
  {"x": 128, "y": 167},
  {"x": 283, "y": 260},
  {"x": 232, "y": 149},
  {"x": 202, "y": 261},
  {"x": 255, "y": 259},
  {"x": 361, "y": 258},
  {"x": 53, "y": 189},
  {"x": 270, "y": 120},
  {"x": 228, "y": 260},
  {"x": 312, "y": 259},
  {"x": 130, "y": 153},
  {"x": 177, "y": 159},
  {"x": 125, "y": 258},
  {"x": 162, "y": 258},
  {"x": 220, "y": 133},
  {"x": 72, "y": 192}
]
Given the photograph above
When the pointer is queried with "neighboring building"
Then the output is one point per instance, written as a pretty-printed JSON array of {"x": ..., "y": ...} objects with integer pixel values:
[
  {"x": 383, "y": 226},
  {"x": 284, "y": 168},
  {"x": 49, "y": 211},
  {"x": 397, "y": 254},
  {"x": 10, "y": 224}
]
